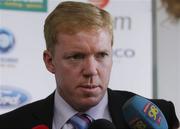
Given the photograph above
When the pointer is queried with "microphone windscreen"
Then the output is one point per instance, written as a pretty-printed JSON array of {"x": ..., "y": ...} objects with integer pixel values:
[
  {"x": 41, "y": 126},
  {"x": 140, "y": 113},
  {"x": 101, "y": 124}
]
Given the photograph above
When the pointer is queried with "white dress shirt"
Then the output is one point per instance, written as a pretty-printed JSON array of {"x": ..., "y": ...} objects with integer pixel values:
[{"x": 63, "y": 111}]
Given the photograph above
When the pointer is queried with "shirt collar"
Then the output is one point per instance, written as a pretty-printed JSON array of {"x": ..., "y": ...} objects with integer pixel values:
[
  {"x": 63, "y": 111},
  {"x": 100, "y": 110}
]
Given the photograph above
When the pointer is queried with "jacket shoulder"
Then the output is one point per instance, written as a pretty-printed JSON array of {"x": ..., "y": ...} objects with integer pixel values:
[
  {"x": 26, "y": 116},
  {"x": 168, "y": 109},
  {"x": 123, "y": 96}
]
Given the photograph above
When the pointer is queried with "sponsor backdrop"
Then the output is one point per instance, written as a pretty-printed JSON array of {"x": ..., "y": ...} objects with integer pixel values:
[{"x": 23, "y": 76}]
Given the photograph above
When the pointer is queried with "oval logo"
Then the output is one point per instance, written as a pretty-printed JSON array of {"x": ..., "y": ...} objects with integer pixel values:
[
  {"x": 11, "y": 97},
  {"x": 6, "y": 40},
  {"x": 99, "y": 3}
]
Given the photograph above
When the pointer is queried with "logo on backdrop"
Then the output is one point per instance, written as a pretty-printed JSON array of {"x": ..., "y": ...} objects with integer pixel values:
[
  {"x": 7, "y": 40},
  {"x": 7, "y": 43},
  {"x": 28, "y": 5},
  {"x": 11, "y": 97},
  {"x": 99, "y": 3},
  {"x": 124, "y": 53},
  {"x": 123, "y": 23}
]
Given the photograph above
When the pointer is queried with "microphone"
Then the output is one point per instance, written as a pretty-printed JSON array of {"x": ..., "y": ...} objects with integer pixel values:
[
  {"x": 140, "y": 113},
  {"x": 101, "y": 124},
  {"x": 41, "y": 126}
]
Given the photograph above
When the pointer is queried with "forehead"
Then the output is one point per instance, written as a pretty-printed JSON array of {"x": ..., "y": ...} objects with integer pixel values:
[{"x": 100, "y": 39}]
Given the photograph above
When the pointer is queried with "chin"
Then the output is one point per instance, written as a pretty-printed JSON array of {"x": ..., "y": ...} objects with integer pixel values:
[
  {"x": 87, "y": 104},
  {"x": 84, "y": 108}
]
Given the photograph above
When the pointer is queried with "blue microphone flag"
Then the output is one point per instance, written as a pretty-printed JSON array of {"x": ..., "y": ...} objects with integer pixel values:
[{"x": 140, "y": 113}]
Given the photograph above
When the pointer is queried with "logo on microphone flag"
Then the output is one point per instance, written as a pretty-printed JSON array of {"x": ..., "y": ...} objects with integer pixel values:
[{"x": 153, "y": 113}]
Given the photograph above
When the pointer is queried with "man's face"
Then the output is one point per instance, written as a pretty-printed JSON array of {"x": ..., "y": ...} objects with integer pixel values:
[{"x": 82, "y": 64}]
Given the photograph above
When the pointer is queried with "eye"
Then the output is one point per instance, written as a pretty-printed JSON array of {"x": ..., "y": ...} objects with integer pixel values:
[
  {"x": 77, "y": 56},
  {"x": 102, "y": 55}
]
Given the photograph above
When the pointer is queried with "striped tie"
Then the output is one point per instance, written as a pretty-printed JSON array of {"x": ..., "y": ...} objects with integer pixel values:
[{"x": 80, "y": 121}]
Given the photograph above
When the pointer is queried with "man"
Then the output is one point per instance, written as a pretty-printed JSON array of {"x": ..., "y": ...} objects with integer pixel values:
[{"x": 79, "y": 39}]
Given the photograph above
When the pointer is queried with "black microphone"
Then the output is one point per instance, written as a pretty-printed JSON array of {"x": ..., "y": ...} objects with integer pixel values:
[{"x": 101, "y": 124}]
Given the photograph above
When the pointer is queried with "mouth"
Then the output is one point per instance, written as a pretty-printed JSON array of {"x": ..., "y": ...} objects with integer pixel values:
[{"x": 89, "y": 87}]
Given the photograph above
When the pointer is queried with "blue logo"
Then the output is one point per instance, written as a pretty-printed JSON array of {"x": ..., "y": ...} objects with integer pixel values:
[
  {"x": 7, "y": 40},
  {"x": 12, "y": 97}
]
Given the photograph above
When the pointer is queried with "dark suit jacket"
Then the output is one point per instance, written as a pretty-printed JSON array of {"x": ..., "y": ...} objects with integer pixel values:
[{"x": 41, "y": 112}]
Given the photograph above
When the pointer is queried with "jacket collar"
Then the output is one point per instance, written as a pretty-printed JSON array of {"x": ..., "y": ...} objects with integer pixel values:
[
  {"x": 116, "y": 100},
  {"x": 43, "y": 112}
]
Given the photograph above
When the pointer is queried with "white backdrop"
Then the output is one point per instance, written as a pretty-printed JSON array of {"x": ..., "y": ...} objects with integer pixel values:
[{"x": 23, "y": 76}]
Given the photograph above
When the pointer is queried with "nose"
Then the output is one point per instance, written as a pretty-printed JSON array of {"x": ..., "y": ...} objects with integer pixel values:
[{"x": 90, "y": 67}]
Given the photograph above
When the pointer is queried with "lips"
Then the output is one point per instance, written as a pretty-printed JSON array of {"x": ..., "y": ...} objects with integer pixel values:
[{"x": 89, "y": 86}]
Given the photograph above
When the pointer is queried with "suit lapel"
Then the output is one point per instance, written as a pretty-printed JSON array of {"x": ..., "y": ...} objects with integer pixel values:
[
  {"x": 43, "y": 111},
  {"x": 116, "y": 100}
]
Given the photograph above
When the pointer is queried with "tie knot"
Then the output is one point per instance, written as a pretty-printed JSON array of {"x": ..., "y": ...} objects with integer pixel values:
[
  {"x": 81, "y": 121},
  {"x": 85, "y": 117}
]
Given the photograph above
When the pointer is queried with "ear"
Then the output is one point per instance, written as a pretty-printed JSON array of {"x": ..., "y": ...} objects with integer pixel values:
[{"x": 48, "y": 60}]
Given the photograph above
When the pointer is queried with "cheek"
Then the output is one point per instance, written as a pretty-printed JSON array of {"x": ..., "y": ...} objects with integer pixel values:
[
  {"x": 67, "y": 74},
  {"x": 105, "y": 72},
  {"x": 105, "y": 67},
  {"x": 105, "y": 75}
]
